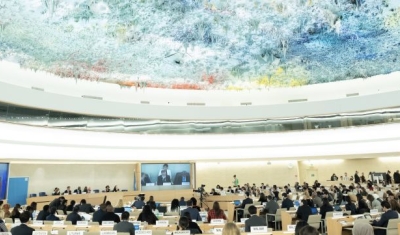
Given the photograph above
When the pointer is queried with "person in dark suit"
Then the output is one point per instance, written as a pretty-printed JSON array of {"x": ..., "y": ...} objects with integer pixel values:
[
  {"x": 57, "y": 202},
  {"x": 124, "y": 226},
  {"x": 68, "y": 190},
  {"x": 181, "y": 177},
  {"x": 71, "y": 206},
  {"x": 23, "y": 229},
  {"x": 246, "y": 201},
  {"x": 194, "y": 213},
  {"x": 52, "y": 216},
  {"x": 85, "y": 207},
  {"x": 110, "y": 215},
  {"x": 74, "y": 216},
  {"x": 144, "y": 179},
  {"x": 356, "y": 178},
  {"x": 286, "y": 203},
  {"x": 78, "y": 190},
  {"x": 254, "y": 219},
  {"x": 271, "y": 207},
  {"x": 325, "y": 207},
  {"x": 98, "y": 215},
  {"x": 304, "y": 211},
  {"x": 396, "y": 177},
  {"x": 43, "y": 213},
  {"x": 163, "y": 178},
  {"x": 385, "y": 217}
]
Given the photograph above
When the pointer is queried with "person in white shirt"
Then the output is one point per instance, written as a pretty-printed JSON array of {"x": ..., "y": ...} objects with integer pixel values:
[
  {"x": 165, "y": 167},
  {"x": 346, "y": 178}
]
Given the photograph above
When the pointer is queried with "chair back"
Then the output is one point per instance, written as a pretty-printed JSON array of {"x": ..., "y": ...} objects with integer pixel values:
[
  {"x": 329, "y": 214},
  {"x": 246, "y": 210},
  {"x": 278, "y": 214},
  {"x": 60, "y": 212},
  {"x": 314, "y": 221},
  {"x": 392, "y": 227}
]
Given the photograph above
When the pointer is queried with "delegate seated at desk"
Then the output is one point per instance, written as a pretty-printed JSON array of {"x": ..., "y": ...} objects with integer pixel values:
[
  {"x": 254, "y": 219},
  {"x": 385, "y": 217},
  {"x": 246, "y": 201},
  {"x": 163, "y": 178}
]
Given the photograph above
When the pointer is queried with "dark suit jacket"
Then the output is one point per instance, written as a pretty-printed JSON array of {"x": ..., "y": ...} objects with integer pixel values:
[
  {"x": 160, "y": 179},
  {"x": 180, "y": 176},
  {"x": 383, "y": 222},
  {"x": 73, "y": 217},
  {"x": 287, "y": 203},
  {"x": 98, "y": 215},
  {"x": 87, "y": 208},
  {"x": 110, "y": 216},
  {"x": 78, "y": 191},
  {"x": 42, "y": 215},
  {"x": 52, "y": 217},
  {"x": 254, "y": 220},
  {"x": 246, "y": 201},
  {"x": 22, "y": 229},
  {"x": 303, "y": 212}
]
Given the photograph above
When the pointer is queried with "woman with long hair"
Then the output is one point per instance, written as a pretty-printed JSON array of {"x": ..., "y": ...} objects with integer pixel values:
[
  {"x": 216, "y": 213},
  {"x": 15, "y": 212},
  {"x": 175, "y": 205},
  {"x": 262, "y": 198},
  {"x": 362, "y": 205},
  {"x": 394, "y": 205},
  {"x": 147, "y": 215}
]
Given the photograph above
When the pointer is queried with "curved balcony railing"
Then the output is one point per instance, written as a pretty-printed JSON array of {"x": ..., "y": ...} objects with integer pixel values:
[{"x": 46, "y": 118}]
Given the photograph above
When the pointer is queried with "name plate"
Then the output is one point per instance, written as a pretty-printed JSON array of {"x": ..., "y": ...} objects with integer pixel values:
[
  {"x": 162, "y": 223},
  {"x": 143, "y": 232},
  {"x": 373, "y": 211},
  {"x": 217, "y": 221},
  {"x": 38, "y": 222},
  {"x": 54, "y": 232},
  {"x": 110, "y": 232},
  {"x": 182, "y": 232},
  {"x": 39, "y": 233},
  {"x": 160, "y": 214},
  {"x": 82, "y": 223},
  {"x": 291, "y": 228},
  {"x": 58, "y": 222},
  {"x": 242, "y": 220},
  {"x": 217, "y": 231},
  {"x": 337, "y": 214},
  {"x": 17, "y": 221},
  {"x": 5, "y": 233},
  {"x": 259, "y": 229},
  {"x": 107, "y": 223},
  {"x": 74, "y": 232}
]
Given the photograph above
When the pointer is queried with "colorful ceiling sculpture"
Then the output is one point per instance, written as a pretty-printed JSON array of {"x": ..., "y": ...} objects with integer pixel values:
[{"x": 203, "y": 44}]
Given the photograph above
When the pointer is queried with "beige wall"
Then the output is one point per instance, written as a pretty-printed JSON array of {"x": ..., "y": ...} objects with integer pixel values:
[
  {"x": 278, "y": 172},
  {"x": 326, "y": 168},
  {"x": 45, "y": 177}
]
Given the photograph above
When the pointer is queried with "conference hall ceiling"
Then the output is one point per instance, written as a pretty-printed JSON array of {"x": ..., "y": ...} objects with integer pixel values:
[{"x": 203, "y": 44}]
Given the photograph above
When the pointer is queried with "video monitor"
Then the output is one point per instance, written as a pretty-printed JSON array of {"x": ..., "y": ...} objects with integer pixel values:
[{"x": 165, "y": 176}]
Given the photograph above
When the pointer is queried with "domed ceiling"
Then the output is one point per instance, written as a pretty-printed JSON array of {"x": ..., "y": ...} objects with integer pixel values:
[{"x": 203, "y": 44}]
